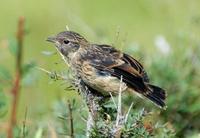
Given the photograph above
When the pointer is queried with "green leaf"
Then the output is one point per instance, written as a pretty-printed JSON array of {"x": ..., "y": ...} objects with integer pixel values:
[
  {"x": 29, "y": 74},
  {"x": 3, "y": 103},
  {"x": 28, "y": 67},
  {"x": 13, "y": 46},
  {"x": 4, "y": 74}
]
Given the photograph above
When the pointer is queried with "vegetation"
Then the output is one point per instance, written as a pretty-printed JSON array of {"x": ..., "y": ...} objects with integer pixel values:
[{"x": 163, "y": 35}]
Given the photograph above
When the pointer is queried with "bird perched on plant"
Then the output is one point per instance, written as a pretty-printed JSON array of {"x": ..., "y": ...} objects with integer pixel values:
[{"x": 105, "y": 69}]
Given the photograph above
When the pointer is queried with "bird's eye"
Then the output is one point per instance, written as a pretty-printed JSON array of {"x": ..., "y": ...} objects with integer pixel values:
[{"x": 66, "y": 42}]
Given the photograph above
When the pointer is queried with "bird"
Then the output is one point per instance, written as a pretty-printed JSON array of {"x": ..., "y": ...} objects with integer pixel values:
[{"x": 105, "y": 69}]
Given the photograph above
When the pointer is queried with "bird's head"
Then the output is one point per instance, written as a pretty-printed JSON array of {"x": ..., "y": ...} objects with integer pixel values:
[{"x": 68, "y": 42}]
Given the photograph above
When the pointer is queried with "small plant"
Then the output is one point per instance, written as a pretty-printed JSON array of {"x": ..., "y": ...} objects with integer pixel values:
[{"x": 13, "y": 83}]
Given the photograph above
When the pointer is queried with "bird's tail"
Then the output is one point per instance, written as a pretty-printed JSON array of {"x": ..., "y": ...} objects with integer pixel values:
[{"x": 157, "y": 95}]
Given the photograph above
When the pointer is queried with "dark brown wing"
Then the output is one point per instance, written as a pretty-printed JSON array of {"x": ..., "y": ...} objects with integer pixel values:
[
  {"x": 107, "y": 59},
  {"x": 136, "y": 65},
  {"x": 130, "y": 76},
  {"x": 127, "y": 59}
]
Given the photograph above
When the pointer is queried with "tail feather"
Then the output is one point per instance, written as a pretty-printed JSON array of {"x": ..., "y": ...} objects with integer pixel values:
[{"x": 156, "y": 95}]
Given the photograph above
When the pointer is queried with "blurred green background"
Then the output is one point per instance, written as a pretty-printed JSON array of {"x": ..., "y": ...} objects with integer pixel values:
[{"x": 164, "y": 35}]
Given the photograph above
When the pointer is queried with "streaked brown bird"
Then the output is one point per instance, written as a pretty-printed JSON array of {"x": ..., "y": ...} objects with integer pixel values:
[{"x": 101, "y": 68}]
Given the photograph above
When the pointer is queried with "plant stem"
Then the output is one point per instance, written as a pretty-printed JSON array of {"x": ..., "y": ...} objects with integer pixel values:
[
  {"x": 24, "y": 124},
  {"x": 16, "y": 86},
  {"x": 71, "y": 120}
]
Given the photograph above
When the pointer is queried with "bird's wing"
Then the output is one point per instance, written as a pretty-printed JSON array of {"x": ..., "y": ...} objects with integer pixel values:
[
  {"x": 137, "y": 66},
  {"x": 106, "y": 58}
]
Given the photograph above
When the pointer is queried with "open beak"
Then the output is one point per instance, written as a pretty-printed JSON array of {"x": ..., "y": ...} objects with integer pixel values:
[{"x": 51, "y": 39}]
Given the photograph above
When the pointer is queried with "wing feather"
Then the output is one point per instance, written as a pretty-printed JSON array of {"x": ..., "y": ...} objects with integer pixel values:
[
  {"x": 119, "y": 64},
  {"x": 136, "y": 65},
  {"x": 110, "y": 61}
]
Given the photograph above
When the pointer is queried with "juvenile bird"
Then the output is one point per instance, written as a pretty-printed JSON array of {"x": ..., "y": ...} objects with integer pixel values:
[{"x": 101, "y": 68}]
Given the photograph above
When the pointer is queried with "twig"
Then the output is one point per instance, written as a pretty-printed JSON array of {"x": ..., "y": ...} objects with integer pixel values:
[
  {"x": 24, "y": 124},
  {"x": 71, "y": 120},
  {"x": 63, "y": 57},
  {"x": 16, "y": 86},
  {"x": 90, "y": 123},
  {"x": 119, "y": 109},
  {"x": 113, "y": 99},
  {"x": 67, "y": 27},
  {"x": 44, "y": 70},
  {"x": 116, "y": 39},
  {"x": 57, "y": 76},
  {"x": 126, "y": 117}
]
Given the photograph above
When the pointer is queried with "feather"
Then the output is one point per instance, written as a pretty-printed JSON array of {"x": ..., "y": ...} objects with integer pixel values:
[
  {"x": 136, "y": 65},
  {"x": 107, "y": 60},
  {"x": 156, "y": 95}
]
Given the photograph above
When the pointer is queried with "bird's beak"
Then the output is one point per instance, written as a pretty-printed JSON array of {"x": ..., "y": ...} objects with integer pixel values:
[{"x": 51, "y": 39}]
